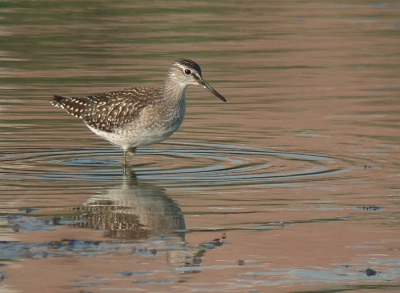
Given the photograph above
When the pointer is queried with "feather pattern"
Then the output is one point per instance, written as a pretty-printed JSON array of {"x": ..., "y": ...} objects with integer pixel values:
[{"x": 110, "y": 111}]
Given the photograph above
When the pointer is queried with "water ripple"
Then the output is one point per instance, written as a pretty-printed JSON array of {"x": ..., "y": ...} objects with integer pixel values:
[{"x": 182, "y": 164}]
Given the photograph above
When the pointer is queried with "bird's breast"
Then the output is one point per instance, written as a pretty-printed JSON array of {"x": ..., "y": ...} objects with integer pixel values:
[{"x": 156, "y": 123}]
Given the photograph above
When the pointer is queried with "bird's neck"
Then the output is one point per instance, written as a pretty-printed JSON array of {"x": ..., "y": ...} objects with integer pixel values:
[{"x": 174, "y": 91}]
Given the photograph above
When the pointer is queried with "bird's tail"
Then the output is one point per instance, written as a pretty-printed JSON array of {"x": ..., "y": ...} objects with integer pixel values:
[
  {"x": 57, "y": 101},
  {"x": 73, "y": 106}
]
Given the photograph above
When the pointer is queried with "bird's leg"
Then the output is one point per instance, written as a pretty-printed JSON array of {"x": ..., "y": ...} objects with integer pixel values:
[
  {"x": 124, "y": 162},
  {"x": 131, "y": 152}
]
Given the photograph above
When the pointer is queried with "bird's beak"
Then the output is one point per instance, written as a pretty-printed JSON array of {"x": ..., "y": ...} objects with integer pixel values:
[{"x": 208, "y": 87}]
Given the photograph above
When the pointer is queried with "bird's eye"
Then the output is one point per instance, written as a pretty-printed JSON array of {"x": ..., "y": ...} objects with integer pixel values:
[{"x": 188, "y": 72}]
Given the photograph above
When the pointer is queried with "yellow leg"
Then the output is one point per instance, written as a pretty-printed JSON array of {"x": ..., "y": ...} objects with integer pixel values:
[
  {"x": 124, "y": 159},
  {"x": 131, "y": 151}
]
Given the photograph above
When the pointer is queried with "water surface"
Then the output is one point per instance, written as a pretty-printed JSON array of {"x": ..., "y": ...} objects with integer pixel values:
[{"x": 291, "y": 186}]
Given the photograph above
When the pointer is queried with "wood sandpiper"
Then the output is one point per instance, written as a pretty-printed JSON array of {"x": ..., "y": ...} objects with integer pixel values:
[{"x": 138, "y": 116}]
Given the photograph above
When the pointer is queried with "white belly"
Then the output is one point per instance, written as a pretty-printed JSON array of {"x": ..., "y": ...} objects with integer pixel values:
[{"x": 142, "y": 131}]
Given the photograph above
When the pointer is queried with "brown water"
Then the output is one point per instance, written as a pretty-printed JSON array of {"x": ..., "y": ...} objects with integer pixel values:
[{"x": 300, "y": 169}]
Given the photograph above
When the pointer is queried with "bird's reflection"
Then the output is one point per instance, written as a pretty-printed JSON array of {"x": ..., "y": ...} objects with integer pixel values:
[{"x": 133, "y": 211}]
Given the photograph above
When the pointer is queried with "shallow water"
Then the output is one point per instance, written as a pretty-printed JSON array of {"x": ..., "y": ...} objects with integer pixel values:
[{"x": 291, "y": 186}]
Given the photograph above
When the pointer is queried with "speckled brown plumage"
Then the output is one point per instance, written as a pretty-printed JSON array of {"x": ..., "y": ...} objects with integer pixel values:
[
  {"x": 109, "y": 111},
  {"x": 138, "y": 116}
]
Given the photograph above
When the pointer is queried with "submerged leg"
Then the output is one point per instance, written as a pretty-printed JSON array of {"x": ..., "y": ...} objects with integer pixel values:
[
  {"x": 124, "y": 159},
  {"x": 124, "y": 162},
  {"x": 131, "y": 152}
]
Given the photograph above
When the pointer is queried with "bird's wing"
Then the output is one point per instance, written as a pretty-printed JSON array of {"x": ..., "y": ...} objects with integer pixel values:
[{"x": 111, "y": 110}]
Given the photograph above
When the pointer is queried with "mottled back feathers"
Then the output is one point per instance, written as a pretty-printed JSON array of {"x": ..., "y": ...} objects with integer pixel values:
[{"x": 110, "y": 111}]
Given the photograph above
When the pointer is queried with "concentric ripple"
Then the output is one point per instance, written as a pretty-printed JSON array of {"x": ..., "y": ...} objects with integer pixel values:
[{"x": 178, "y": 164}]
